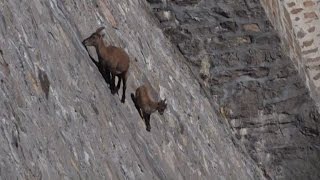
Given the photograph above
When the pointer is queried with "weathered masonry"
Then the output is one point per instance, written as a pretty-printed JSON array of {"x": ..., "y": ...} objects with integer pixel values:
[{"x": 299, "y": 26}]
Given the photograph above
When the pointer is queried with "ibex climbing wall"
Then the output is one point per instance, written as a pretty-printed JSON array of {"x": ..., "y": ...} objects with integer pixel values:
[
  {"x": 236, "y": 51},
  {"x": 58, "y": 119}
]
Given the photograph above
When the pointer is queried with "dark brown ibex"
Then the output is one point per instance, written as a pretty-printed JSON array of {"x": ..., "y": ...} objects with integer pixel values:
[
  {"x": 146, "y": 106},
  {"x": 112, "y": 60}
]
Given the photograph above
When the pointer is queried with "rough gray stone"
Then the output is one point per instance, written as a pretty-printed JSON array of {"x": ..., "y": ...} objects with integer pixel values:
[
  {"x": 258, "y": 89},
  {"x": 60, "y": 121}
]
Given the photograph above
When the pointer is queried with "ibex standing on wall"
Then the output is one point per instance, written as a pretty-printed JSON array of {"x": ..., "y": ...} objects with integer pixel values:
[
  {"x": 145, "y": 105},
  {"x": 112, "y": 60}
]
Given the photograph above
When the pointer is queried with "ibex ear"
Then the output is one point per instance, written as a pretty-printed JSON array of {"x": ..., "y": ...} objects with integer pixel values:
[{"x": 99, "y": 30}]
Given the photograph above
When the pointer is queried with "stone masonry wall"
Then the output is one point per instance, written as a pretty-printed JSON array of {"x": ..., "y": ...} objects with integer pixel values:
[
  {"x": 298, "y": 23},
  {"x": 59, "y": 120},
  {"x": 236, "y": 53}
]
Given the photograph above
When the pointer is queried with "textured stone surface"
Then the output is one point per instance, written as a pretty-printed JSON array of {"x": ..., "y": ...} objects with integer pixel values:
[
  {"x": 60, "y": 121},
  {"x": 298, "y": 23},
  {"x": 259, "y": 90}
]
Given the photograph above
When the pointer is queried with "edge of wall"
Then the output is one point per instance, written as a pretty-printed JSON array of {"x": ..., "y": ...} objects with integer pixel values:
[{"x": 298, "y": 24}]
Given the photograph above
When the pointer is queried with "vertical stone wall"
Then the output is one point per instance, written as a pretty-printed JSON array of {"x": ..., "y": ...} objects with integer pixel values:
[
  {"x": 59, "y": 120},
  {"x": 298, "y": 23},
  {"x": 260, "y": 94}
]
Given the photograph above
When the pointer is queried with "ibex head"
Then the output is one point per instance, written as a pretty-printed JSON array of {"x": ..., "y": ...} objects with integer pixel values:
[
  {"x": 95, "y": 38},
  {"x": 162, "y": 105}
]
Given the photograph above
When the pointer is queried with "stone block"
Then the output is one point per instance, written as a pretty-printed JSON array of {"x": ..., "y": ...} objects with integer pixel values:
[
  {"x": 229, "y": 25},
  {"x": 296, "y": 11},
  {"x": 311, "y": 15},
  {"x": 164, "y": 15},
  {"x": 308, "y": 3},
  {"x": 312, "y": 29},
  {"x": 251, "y": 27},
  {"x": 307, "y": 43},
  {"x": 291, "y": 4}
]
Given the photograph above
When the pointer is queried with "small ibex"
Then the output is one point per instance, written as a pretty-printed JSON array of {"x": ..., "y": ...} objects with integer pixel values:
[
  {"x": 112, "y": 60},
  {"x": 146, "y": 106}
]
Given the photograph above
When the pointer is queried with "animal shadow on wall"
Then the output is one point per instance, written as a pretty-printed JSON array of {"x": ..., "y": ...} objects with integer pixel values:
[{"x": 112, "y": 62}]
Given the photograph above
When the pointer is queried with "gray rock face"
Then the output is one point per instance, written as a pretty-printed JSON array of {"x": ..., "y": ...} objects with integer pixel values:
[
  {"x": 257, "y": 87},
  {"x": 60, "y": 121}
]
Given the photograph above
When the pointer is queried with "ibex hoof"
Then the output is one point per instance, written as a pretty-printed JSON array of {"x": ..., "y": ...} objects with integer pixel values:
[
  {"x": 113, "y": 91},
  {"x": 123, "y": 100}
]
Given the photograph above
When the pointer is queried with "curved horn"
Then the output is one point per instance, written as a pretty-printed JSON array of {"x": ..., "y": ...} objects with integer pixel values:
[{"x": 99, "y": 29}]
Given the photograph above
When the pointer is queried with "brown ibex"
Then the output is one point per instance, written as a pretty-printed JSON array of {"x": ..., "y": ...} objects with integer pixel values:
[
  {"x": 112, "y": 60},
  {"x": 146, "y": 106}
]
